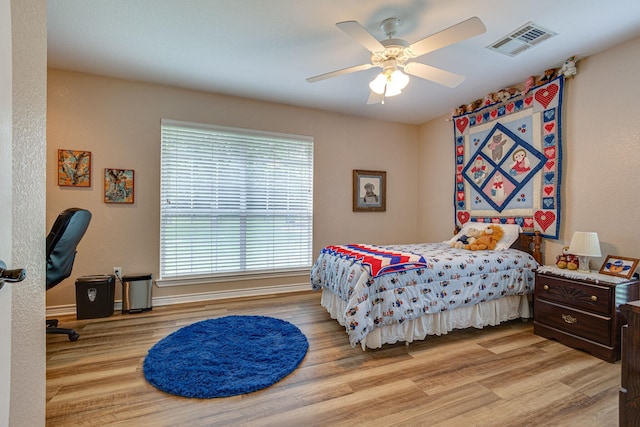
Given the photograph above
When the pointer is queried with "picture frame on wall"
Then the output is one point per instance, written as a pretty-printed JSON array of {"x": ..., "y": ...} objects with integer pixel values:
[
  {"x": 119, "y": 185},
  {"x": 619, "y": 266},
  {"x": 74, "y": 168},
  {"x": 369, "y": 191}
]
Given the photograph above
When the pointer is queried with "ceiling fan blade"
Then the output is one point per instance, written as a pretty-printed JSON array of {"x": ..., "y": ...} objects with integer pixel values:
[
  {"x": 375, "y": 98},
  {"x": 458, "y": 32},
  {"x": 339, "y": 72},
  {"x": 361, "y": 35},
  {"x": 445, "y": 78}
]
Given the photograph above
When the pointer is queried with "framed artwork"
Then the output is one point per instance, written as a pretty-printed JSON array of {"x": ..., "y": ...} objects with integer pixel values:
[
  {"x": 118, "y": 185},
  {"x": 369, "y": 191},
  {"x": 74, "y": 168},
  {"x": 619, "y": 266}
]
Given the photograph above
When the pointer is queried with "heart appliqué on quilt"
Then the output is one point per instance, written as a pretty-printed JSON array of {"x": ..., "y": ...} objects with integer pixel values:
[
  {"x": 550, "y": 164},
  {"x": 550, "y": 152},
  {"x": 462, "y": 124},
  {"x": 549, "y": 177},
  {"x": 548, "y": 190},
  {"x": 528, "y": 100},
  {"x": 463, "y": 217},
  {"x": 545, "y": 95},
  {"x": 510, "y": 107},
  {"x": 549, "y": 127},
  {"x": 544, "y": 218}
]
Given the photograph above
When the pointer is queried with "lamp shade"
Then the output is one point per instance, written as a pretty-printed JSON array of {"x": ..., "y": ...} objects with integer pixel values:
[
  {"x": 585, "y": 243},
  {"x": 389, "y": 84},
  {"x": 378, "y": 84},
  {"x": 398, "y": 81}
]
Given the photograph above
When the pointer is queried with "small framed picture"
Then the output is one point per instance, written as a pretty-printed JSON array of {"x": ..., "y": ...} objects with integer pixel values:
[
  {"x": 619, "y": 266},
  {"x": 369, "y": 191},
  {"x": 118, "y": 185},
  {"x": 74, "y": 168}
]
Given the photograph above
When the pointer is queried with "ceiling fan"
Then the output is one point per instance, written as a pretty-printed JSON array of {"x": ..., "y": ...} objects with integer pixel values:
[{"x": 394, "y": 55}]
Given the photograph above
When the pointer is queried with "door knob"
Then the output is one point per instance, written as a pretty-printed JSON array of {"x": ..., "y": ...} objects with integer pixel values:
[{"x": 11, "y": 276}]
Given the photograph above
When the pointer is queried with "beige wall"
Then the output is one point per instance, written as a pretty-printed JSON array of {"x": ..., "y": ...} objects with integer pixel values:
[
  {"x": 601, "y": 156},
  {"x": 119, "y": 122}
]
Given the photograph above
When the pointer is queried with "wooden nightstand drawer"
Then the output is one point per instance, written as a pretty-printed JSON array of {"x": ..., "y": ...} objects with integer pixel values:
[
  {"x": 585, "y": 325},
  {"x": 585, "y": 296},
  {"x": 581, "y": 312}
]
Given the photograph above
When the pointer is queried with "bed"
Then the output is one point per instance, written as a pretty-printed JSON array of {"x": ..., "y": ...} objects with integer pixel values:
[{"x": 388, "y": 294}]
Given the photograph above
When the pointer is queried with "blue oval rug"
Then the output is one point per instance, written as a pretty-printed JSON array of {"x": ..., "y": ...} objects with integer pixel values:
[{"x": 225, "y": 357}]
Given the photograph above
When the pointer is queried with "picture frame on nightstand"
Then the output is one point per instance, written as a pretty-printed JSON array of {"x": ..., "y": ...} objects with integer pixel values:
[{"x": 619, "y": 266}]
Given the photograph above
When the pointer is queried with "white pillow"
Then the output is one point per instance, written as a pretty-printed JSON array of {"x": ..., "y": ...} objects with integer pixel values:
[
  {"x": 510, "y": 233},
  {"x": 464, "y": 230}
]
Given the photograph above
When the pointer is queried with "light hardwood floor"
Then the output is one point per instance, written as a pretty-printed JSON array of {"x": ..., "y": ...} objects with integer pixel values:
[{"x": 497, "y": 376}]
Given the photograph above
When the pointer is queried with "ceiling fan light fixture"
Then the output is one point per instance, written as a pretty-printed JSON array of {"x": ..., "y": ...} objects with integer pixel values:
[
  {"x": 393, "y": 55},
  {"x": 378, "y": 84},
  {"x": 392, "y": 91},
  {"x": 389, "y": 84},
  {"x": 398, "y": 79}
]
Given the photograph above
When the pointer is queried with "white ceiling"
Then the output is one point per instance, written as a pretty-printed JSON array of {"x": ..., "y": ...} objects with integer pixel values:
[{"x": 265, "y": 49}]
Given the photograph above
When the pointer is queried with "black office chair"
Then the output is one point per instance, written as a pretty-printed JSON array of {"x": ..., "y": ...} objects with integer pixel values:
[{"x": 62, "y": 241}]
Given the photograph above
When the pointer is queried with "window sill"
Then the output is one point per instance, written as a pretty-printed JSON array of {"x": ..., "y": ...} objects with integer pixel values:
[{"x": 235, "y": 277}]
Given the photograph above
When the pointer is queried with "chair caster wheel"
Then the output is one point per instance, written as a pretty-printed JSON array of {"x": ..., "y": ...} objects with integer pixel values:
[{"x": 74, "y": 337}]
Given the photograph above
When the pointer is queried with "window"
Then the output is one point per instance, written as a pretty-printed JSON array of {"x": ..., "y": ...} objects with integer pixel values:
[{"x": 233, "y": 201}]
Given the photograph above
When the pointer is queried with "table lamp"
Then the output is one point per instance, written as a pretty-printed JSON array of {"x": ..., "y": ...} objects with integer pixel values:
[{"x": 584, "y": 245}]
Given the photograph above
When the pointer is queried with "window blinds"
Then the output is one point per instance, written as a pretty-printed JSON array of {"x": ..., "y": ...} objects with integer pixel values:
[{"x": 233, "y": 201}]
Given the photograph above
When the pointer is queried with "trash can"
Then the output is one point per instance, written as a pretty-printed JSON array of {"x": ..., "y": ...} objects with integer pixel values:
[
  {"x": 95, "y": 296},
  {"x": 136, "y": 293}
]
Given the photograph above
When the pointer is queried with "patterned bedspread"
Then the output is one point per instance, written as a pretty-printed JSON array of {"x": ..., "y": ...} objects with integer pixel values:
[
  {"x": 380, "y": 260},
  {"x": 451, "y": 278}
]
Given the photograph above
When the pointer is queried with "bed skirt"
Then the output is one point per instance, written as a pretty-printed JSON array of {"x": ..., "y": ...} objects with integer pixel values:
[{"x": 489, "y": 313}]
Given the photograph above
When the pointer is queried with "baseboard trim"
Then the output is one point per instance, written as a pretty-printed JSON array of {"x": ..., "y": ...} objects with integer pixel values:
[{"x": 68, "y": 309}]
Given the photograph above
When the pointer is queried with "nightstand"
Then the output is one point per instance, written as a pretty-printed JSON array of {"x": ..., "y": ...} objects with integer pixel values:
[{"x": 582, "y": 310}]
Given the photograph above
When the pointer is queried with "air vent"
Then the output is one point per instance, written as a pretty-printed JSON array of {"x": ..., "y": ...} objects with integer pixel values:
[{"x": 525, "y": 37}]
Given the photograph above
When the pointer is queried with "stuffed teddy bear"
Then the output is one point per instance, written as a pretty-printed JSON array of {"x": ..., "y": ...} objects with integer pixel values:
[
  {"x": 489, "y": 99},
  {"x": 548, "y": 75},
  {"x": 531, "y": 82},
  {"x": 465, "y": 239},
  {"x": 488, "y": 239},
  {"x": 473, "y": 106},
  {"x": 567, "y": 260},
  {"x": 503, "y": 95},
  {"x": 569, "y": 67}
]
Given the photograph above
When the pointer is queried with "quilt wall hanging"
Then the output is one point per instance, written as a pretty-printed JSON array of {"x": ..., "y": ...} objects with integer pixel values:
[{"x": 509, "y": 161}]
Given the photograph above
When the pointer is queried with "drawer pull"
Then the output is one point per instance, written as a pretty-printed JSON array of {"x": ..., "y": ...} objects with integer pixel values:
[
  {"x": 594, "y": 298},
  {"x": 569, "y": 319},
  {"x": 546, "y": 287}
]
